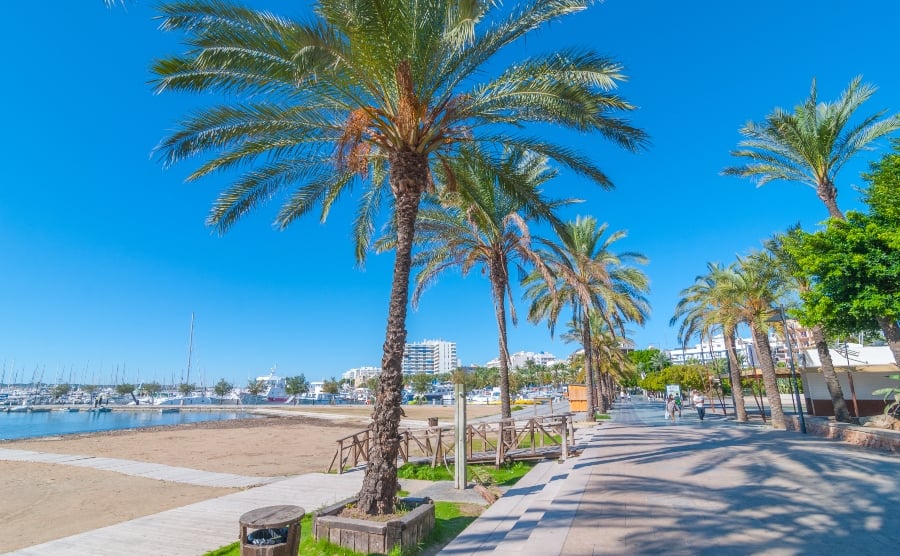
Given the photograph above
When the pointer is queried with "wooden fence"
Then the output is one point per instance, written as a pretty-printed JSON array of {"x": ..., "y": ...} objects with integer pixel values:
[{"x": 501, "y": 442}]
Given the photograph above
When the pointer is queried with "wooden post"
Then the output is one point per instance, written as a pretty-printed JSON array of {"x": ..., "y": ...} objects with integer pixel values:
[
  {"x": 564, "y": 430},
  {"x": 460, "y": 478}
]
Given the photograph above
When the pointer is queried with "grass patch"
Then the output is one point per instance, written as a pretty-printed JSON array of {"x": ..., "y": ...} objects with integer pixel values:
[
  {"x": 450, "y": 520},
  {"x": 602, "y": 416},
  {"x": 485, "y": 474}
]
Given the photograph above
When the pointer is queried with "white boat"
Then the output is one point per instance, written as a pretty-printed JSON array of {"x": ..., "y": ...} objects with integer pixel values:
[
  {"x": 193, "y": 399},
  {"x": 274, "y": 390}
]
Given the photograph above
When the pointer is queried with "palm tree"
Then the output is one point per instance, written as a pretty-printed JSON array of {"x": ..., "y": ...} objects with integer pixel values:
[
  {"x": 756, "y": 287},
  {"x": 610, "y": 359},
  {"x": 375, "y": 94},
  {"x": 707, "y": 303},
  {"x": 587, "y": 276},
  {"x": 813, "y": 143},
  {"x": 483, "y": 224},
  {"x": 800, "y": 281}
]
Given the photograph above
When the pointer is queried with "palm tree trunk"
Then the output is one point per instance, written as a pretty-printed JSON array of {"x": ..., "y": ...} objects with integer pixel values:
[
  {"x": 841, "y": 413},
  {"x": 408, "y": 174},
  {"x": 498, "y": 288},
  {"x": 734, "y": 368},
  {"x": 827, "y": 192},
  {"x": 767, "y": 366},
  {"x": 588, "y": 368},
  {"x": 892, "y": 335},
  {"x": 602, "y": 399}
]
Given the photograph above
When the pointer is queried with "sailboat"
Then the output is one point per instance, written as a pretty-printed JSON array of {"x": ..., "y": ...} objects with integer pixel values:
[{"x": 194, "y": 398}]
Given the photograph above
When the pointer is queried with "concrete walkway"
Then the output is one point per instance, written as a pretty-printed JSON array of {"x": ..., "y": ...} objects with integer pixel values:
[
  {"x": 647, "y": 486},
  {"x": 641, "y": 485}
]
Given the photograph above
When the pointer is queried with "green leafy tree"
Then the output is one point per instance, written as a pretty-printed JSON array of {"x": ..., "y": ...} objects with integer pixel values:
[
  {"x": 61, "y": 390},
  {"x": 255, "y": 387},
  {"x": 223, "y": 388},
  {"x": 419, "y": 383},
  {"x": 372, "y": 96},
  {"x": 127, "y": 389},
  {"x": 483, "y": 224},
  {"x": 856, "y": 276},
  {"x": 788, "y": 252},
  {"x": 152, "y": 389},
  {"x": 185, "y": 388},
  {"x": 296, "y": 385},
  {"x": 586, "y": 275},
  {"x": 331, "y": 386}
]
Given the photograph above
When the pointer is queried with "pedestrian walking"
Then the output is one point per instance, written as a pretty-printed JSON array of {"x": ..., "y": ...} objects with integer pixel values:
[
  {"x": 670, "y": 407},
  {"x": 699, "y": 401}
]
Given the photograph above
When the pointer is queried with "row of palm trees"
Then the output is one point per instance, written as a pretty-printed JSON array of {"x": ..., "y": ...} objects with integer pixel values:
[{"x": 809, "y": 146}]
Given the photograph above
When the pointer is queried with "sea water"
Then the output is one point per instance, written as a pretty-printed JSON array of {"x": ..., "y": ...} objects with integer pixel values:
[{"x": 51, "y": 423}]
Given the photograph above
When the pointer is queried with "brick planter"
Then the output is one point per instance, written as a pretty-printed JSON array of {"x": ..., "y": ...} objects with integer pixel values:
[{"x": 378, "y": 537}]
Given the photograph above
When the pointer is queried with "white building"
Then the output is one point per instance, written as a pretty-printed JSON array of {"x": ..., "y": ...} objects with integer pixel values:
[
  {"x": 520, "y": 359},
  {"x": 361, "y": 374},
  {"x": 710, "y": 350},
  {"x": 430, "y": 356}
]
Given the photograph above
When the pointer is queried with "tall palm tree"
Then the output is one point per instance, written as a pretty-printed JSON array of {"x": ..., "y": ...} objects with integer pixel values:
[
  {"x": 373, "y": 95},
  {"x": 811, "y": 144},
  {"x": 709, "y": 302},
  {"x": 757, "y": 286},
  {"x": 586, "y": 275},
  {"x": 484, "y": 224},
  {"x": 800, "y": 281}
]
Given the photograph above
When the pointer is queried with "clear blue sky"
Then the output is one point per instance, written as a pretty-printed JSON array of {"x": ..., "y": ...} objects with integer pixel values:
[{"x": 104, "y": 254}]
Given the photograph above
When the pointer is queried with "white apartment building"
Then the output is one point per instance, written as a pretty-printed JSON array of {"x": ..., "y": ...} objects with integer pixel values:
[
  {"x": 520, "y": 359},
  {"x": 430, "y": 356},
  {"x": 361, "y": 374},
  {"x": 710, "y": 350}
]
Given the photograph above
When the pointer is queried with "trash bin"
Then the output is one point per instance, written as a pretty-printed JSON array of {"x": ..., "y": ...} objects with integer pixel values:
[
  {"x": 432, "y": 421},
  {"x": 271, "y": 531}
]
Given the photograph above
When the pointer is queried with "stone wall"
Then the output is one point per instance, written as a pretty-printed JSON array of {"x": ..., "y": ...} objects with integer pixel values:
[{"x": 866, "y": 437}]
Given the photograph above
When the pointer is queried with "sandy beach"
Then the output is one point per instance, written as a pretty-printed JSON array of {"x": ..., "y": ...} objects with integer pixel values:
[{"x": 42, "y": 502}]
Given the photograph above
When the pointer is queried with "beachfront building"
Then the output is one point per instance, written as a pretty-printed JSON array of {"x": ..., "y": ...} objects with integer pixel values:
[
  {"x": 430, "y": 356},
  {"x": 360, "y": 375},
  {"x": 710, "y": 350},
  {"x": 520, "y": 359},
  {"x": 861, "y": 370},
  {"x": 714, "y": 348}
]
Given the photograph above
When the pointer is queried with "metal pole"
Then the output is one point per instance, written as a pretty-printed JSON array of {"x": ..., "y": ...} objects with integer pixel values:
[{"x": 796, "y": 387}]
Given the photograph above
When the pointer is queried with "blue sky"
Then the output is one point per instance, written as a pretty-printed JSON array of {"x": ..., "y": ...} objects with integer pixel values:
[{"x": 104, "y": 254}]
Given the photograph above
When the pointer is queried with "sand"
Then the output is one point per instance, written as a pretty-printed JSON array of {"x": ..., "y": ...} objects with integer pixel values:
[{"x": 42, "y": 502}]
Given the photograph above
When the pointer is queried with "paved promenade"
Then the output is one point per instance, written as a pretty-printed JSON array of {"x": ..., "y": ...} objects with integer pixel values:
[
  {"x": 641, "y": 485},
  {"x": 647, "y": 486}
]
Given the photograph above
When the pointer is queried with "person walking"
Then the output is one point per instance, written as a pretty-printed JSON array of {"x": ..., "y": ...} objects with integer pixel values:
[
  {"x": 699, "y": 401},
  {"x": 670, "y": 407}
]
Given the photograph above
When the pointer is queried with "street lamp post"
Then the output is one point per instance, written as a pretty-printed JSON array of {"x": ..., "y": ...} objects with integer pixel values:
[{"x": 794, "y": 386}]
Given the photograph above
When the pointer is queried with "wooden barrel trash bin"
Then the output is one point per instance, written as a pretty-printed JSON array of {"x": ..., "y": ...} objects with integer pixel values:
[
  {"x": 271, "y": 531},
  {"x": 432, "y": 421}
]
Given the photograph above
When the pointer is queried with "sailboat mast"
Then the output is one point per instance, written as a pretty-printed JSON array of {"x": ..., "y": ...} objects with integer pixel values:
[{"x": 190, "y": 349}]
